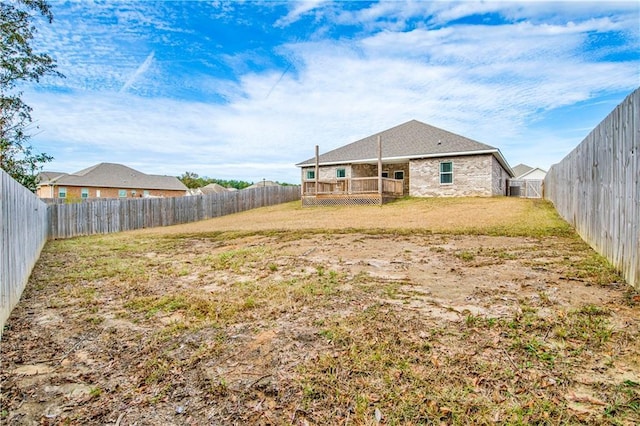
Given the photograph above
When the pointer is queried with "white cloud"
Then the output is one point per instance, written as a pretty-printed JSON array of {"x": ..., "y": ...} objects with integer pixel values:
[
  {"x": 299, "y": 9},
  {"x": 394, "y": 14},
  {"x": 487, "y": 82}
]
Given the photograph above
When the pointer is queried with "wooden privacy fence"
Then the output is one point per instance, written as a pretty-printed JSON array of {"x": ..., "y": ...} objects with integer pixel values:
[
  {"x": 596, "y": 188},
  {"x": 23, "y": 234},
  {"x": 115, "y": 215}
]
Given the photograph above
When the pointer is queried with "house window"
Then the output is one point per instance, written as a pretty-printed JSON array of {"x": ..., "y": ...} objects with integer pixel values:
[
  {"x": 398, "y": 174},
  {"x": 122, "y": 193},
  {"x": 84, "y": 192},
  {"x": 145, "y": 193},
  {"x": 97, "y": 193},
  {"x": 311, "y": 174},
  {"x": 62, "y": 192},
  {"x": 385, "y": 174},
  {"x": 446, "y": 172},
  {"x": 341, "y": 173}
]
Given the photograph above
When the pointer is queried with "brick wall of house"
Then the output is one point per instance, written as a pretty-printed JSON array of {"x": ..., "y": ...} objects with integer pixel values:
[
  {"x": 371, "y": 170},
  {"x": 45, "y": 192},
  {"x": 328, "y": 173},
  {"x": 364, "y": 170},
  {"x": 472, "y": 176},
  {"x": 499, "y": 178},
  {"x": 402, "y": 167},
  {"x": 475, "y": 175},
  {"x": 75, "y": 192}
]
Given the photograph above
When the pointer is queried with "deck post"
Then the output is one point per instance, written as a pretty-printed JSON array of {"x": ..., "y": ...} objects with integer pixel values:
[
  {"x": 315, "y": 174},
  {"x": 380, "y": 168}
]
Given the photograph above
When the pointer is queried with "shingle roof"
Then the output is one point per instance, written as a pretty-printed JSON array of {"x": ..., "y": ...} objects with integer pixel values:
[
  {"x": 521, "y": 169},
  {"x": 110, "y": 175},
  {"x": 262, "y": 184},
  {"x": 49, "y": 176},
  {"x": 213, "y": 188},
  {"x": 410, "y": 140}
]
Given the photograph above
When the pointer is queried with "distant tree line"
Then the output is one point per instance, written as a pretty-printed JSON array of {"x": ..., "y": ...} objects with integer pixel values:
[{"x": 192, "y": 180}]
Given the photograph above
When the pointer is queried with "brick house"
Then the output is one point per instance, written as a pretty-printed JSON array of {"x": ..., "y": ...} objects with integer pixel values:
[
  {"x": 108, "y": 180},
  {"x": 413, "y": 159}
]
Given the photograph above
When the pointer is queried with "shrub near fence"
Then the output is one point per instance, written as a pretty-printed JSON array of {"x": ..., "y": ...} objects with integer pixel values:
[
  {"x": 24, "y": 232},
  {"x": 116, "y": 215},
  {"x": 596, "y": 188}
]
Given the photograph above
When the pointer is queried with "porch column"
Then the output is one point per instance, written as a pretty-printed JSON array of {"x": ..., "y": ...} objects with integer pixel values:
[
  {"x": 380, "y": 168},
  {"x": 317, "y": 168}
]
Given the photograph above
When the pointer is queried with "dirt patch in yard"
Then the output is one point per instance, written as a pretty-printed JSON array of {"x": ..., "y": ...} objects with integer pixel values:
[{"x": 251, "y": 325}]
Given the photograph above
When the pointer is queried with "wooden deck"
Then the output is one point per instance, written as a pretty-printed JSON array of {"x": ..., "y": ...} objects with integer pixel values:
[{"x": 351, "y": 191}]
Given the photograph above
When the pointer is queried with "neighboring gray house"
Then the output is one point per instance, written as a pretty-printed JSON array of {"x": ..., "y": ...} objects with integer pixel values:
[
  {"x": 524, "y": 172},
  {"x": 416, "y": 159},
  {"x": 528, "y": 182},
  {"x": 262, "y": 184},
  {"x": 212, "y": 188}
]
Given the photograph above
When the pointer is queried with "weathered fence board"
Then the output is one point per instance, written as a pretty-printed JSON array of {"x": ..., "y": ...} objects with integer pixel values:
[
  {"x": 596, "y": 188},
  {"x": 24, "y": 232},
  {"x": 114, "y": 215}
]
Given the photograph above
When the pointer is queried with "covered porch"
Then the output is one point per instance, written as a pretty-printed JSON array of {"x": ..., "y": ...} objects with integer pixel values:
[{"x": 361, "y": 190}]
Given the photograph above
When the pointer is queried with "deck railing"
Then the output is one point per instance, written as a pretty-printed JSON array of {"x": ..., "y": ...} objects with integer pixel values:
[{"x": 354, "y": 186}]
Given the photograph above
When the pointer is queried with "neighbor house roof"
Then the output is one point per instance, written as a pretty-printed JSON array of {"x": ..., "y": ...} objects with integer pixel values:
[
  {"x": 411, "y": 140},
  {"x": 110, "y": 175},
  {"x": 49, "y": 176},
  {"x": 213, "y": 188},
  {"x": 263, "y": 184},
  {"x": 522, "y": 170}
]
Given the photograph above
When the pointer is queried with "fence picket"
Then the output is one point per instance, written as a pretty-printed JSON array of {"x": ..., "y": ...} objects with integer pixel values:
[{"x": 596, "y": 188}]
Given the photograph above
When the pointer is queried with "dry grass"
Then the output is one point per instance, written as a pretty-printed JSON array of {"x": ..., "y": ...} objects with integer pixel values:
[
  {"x": 505, "y": 318},
  {"x": 488, "y": 216}
]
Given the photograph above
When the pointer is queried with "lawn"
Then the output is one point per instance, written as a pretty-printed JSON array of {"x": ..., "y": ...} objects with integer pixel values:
[{"x": 422, "y": 311}]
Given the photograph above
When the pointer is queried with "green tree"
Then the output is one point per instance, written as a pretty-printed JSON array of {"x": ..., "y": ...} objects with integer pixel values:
[
  {"x": 19, "y": 64},
  {"x": 237, "y": 184},
  {"x": 191, "y": 180}
]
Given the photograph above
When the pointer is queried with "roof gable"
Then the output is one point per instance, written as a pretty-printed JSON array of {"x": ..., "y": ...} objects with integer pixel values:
[
  {"x": 110, "y": 175},
  {"x": 409, "y": 140},
  {"x": 521, "y": 169},
  {"x": 213, "y": 188},
  {"x": 49, "y": 176},
  {"x": 263, "y": 184}
]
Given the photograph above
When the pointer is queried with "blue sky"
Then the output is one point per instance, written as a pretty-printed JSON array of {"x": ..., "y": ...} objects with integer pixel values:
[{"x": 244, "y": 90}]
